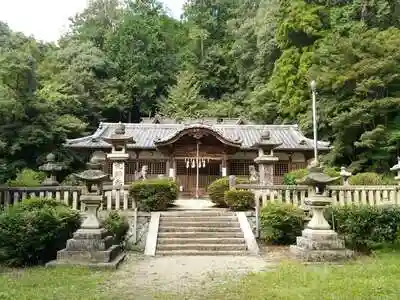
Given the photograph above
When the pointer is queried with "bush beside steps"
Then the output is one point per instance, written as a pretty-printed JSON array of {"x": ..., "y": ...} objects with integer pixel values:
[
  {"x": 154, "y": 194},
  {"x": 31, "y": 232}
]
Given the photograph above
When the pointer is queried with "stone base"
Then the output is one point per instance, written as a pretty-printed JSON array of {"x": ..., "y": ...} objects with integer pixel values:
[
  {"x": 90, "y": 247},
  {"x": 320, "y": 246},
  {"x": 107, "y": 265}
]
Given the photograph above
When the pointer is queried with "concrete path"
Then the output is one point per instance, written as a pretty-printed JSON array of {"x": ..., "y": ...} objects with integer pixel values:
[
  {"x": 193, "y": 204},
  {"x": 151, "y": 277}
]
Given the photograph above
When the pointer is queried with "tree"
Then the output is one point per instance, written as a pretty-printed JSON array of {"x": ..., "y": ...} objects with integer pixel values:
[{"x": 184, "y": 100}]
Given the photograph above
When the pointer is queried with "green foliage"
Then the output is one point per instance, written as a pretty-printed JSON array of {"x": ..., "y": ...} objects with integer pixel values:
[
  {"x": 281, "y": 223},
  {"x": 154, "y": 194},
  {"x": 294, "y": 176},
  {"x": 32, "y": 232},
  {"x": 239, "y": 199},
  {"x": 184, "y": 100},
  {"x": 117, "y": 225},
  {"x": 216, "y": 190},
  {"x": 28, "y": 178},
  {"x": 291, "y": 177},
  {"x": 368, "y": 178},
  {"x": 365, "y": 228}
]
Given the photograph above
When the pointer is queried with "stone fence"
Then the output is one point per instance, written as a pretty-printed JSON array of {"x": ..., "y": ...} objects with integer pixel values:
[
  {"x": 296, "y": 195},
  {"x": 115, "y": 198},
  {"x": 341, "y": 195}
]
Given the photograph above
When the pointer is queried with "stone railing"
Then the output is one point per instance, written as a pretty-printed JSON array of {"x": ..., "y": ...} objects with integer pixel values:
[
  {"x": 115, "y": 198},
  {"x": 341, "y": 195}
]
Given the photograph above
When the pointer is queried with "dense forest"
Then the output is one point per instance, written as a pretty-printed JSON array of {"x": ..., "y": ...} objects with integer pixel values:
[{"x": 122, "y": 60}]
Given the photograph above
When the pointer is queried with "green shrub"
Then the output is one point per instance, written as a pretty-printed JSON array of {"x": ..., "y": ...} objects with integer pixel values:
[
  {"x": 281, "y": 223},
  {"x": 293, "y": 176},
  {"x": 154, "y": 194},
  {"x": 239, "y": 199},
  {"x": 27, "y": 177},
  {"x": 216, "y": 190},
  {"x": 367, "y": 178},
  {"x": 117, "y": 225},
  {"x": 32, "y": 232},
  {"x": 365, "y": 228}
]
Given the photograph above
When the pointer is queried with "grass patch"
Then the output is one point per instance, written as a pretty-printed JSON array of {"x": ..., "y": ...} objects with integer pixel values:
[
  {"x": 368, "y": 278},
  {"x": 52, "y": 283}
]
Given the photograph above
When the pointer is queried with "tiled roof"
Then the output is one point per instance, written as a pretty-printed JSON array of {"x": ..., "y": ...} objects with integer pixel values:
[{"x": 146, "y": 133}]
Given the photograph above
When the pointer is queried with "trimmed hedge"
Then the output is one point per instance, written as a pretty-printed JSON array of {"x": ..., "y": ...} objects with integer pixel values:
[
  {"x": 33, "y": 231},
  {"x": 365, "y": 228},
  {"x": 27, "y": 177},
  {"x": 216, "y": 190},
  {"x": 154, "y": 194},
  {"x": 117, "y": 225},
  {"x": 281, "y": 223},
  {"x": 239, "y": 199},
  {"x": 370, "y": 178}
]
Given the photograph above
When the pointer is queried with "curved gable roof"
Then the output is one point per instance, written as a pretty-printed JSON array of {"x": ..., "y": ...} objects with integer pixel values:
[{"x": 146, "y": 134}]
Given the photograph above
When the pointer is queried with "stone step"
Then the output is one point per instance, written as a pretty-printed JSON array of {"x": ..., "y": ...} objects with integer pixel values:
[
  {"x": 199, "y": 219},
  {"x": 167, "y": 223},
  {"x": 202, "y": 253},
  {"x": 211, "y": 240},
  {"x": 197, "y": 213},
  {"x": 193, "y": 234},
  {"x": 198, "y": 229},
  {"x": 207, "y": 247}
]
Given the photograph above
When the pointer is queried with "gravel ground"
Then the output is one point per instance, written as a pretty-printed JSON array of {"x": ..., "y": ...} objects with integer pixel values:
[{"x": 142, "y": 277}]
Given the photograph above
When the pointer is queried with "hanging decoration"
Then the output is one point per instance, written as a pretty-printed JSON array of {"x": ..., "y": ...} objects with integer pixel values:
[{"x": 201, "y": 162}]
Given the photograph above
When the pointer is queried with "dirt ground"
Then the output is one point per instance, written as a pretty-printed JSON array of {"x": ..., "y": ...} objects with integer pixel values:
[{"x": 142, "y": 277}]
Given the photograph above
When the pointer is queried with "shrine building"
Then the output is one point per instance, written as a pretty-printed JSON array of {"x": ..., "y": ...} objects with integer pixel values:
[{"x": 197, "y": 152}]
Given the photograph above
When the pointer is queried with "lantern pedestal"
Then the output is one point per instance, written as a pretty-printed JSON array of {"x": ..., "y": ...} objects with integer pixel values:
[
  {"x": 318, "y": 243},
  {"x": 91, "y": 245}
]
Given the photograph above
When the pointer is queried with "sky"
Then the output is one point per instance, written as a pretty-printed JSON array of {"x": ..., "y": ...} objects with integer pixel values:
[{"x": 47, "y": 20}]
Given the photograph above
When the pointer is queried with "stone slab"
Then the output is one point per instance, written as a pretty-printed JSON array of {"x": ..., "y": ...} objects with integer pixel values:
[
  {"x": 320, "y": 255},
  {"x": 319, "y": 235},
  {"x": 89, "y": 256},
  {"x": 152, "y": 234},
  {"x": 86, "y": 234},
  {"x": 112, "y": 265},
  {"x": 249, "y": 237},
  {"x": 330, "y": 244},
  {"x": 90, "y": 244}
]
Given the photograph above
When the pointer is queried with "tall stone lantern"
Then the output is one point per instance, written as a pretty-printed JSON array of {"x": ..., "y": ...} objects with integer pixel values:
[
  {"x": 119, "y": 154},
  {"x": 266, "y": 158},
  {"x": 91, "y": 245},
  {"x": 318, "y": 241},
  {"x": 51, "y": 168}
]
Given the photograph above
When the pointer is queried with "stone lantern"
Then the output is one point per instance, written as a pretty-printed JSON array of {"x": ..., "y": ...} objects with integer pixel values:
[
  {"x": 396, "y": 168},
  {"x": 91, "y": 245},
  {"x": 266, "y": 158},
  {"x": 119, "y": 154},
  {"x": 51, "y": 167},
  {"x": 318, "y": 241}
]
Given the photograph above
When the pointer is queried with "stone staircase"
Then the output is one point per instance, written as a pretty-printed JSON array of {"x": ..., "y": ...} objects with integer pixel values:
[{"x": 200, "y": 233}]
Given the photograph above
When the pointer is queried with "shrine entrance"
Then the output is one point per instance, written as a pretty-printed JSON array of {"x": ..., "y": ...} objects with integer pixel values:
[
  {"x": 198, "y": 156},
  {"x": 186, "y": 175}
]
